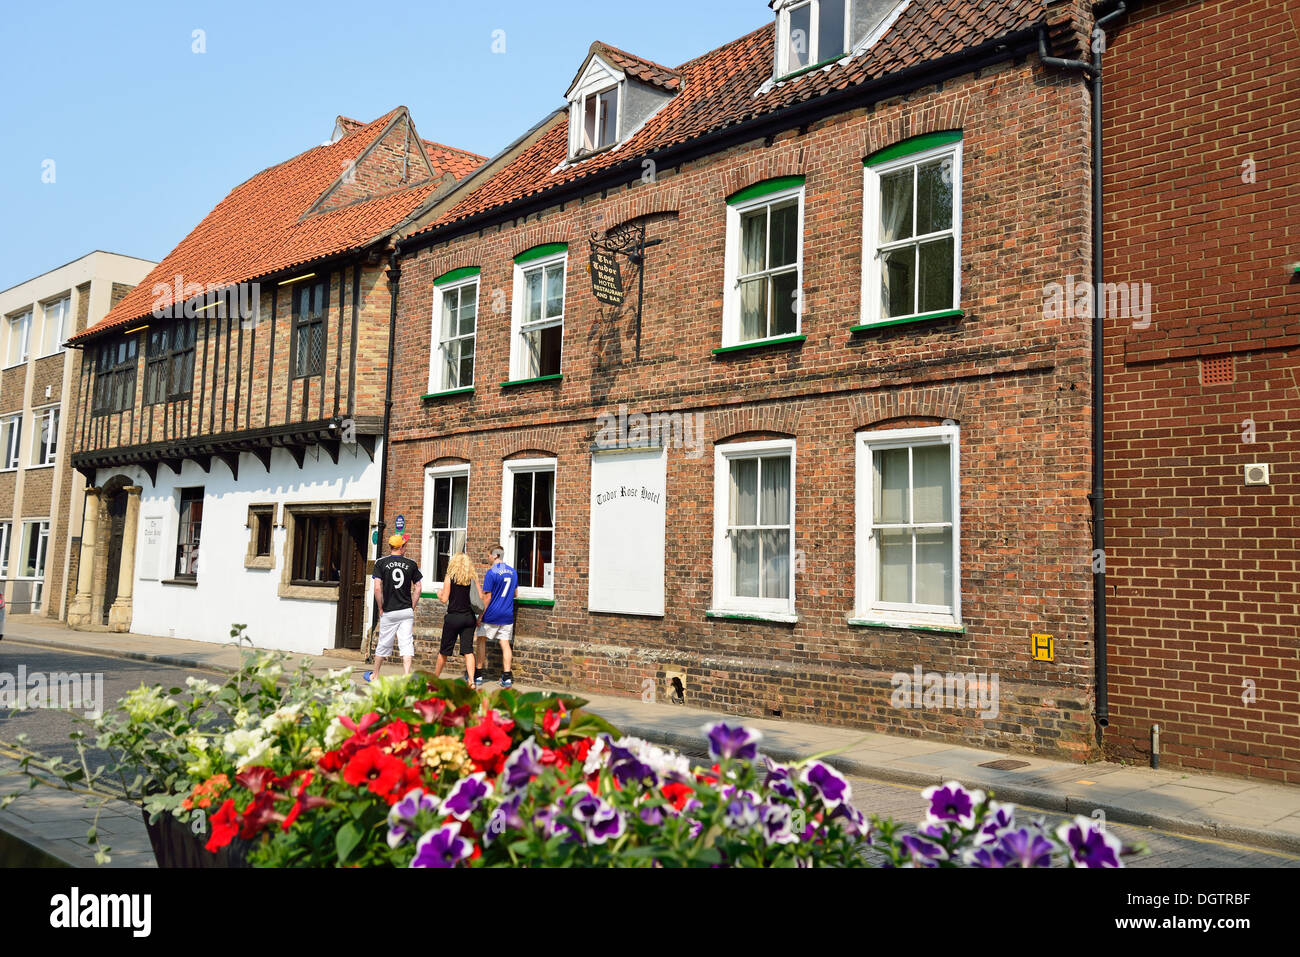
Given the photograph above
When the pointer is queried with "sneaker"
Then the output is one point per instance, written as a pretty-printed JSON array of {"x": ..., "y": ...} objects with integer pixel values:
[
  {"x": 367, "y": 676},
  {"x": 507, "y": 680},
  {"x": 478, "y": 679}
]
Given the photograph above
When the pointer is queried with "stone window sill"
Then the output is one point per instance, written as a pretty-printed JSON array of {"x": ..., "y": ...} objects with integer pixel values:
[
  {"x": 262, "y": 562},
  {"x": 310, "y": 592},
  {"x": 187, "y": 582},
  {"x": 785, "y": 618}
]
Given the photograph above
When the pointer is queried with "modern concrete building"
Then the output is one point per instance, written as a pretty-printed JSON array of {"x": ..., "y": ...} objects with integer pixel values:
[{"x": 41, "y": 495}]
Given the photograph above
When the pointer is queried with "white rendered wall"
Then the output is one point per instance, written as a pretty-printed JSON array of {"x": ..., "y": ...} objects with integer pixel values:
[{"x": 227, "y": 592}]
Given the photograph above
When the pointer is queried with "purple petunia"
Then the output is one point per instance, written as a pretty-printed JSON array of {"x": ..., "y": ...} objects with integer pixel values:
[
  {"x": 924, "y": 852},
  {"x": 726, "y": 742},
  {"x": 777, "y": 823},
  {"x": 402, "y": 814},
  {"x": 522, "y": 766},
  {"x": 608, "y": 825},
  {"x": 652, "y": 814},
  {"x": 952, "y": 803},
  {"x": 778, "y": 779},
  {"x": 466, "y": 796},
  {"x": 504, "y": 818},
  {"x": 442, "y": 848},
  {"x": 829, "y": 784},
  {"x": 1089, "y": 844},
  {"x": 1024, "y": 848},
  {"x": 741, "y": 812},
  {"x": 852, "y": 821},
  {"x": 1000, "y": 817}
]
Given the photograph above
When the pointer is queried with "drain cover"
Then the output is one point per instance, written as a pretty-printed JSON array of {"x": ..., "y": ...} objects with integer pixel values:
[{"x": 1005, "y": 765}]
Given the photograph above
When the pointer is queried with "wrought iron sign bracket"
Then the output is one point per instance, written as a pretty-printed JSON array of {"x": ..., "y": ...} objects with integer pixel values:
[{"x": 628, "y": 241}]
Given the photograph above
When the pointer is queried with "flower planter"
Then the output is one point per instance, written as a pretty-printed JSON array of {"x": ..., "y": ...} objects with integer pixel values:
[{"x": 175, "y": 845}]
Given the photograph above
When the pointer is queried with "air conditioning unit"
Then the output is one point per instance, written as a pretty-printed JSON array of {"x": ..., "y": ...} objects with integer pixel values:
[{"x": 1257, "y": 474}]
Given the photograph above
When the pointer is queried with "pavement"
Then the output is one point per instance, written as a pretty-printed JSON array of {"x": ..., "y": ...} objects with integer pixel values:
[{"x": 1238, "y": 810}]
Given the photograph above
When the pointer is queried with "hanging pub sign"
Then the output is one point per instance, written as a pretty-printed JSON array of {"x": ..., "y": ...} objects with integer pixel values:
[{"x": 606, "y": 278}]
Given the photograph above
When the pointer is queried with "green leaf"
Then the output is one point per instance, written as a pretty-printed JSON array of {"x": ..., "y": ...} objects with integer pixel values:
[{"x": 347, "y": 840}]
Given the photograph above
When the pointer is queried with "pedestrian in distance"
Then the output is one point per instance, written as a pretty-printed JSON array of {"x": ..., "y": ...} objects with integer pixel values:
[
  {"x": 458, "y": 592},
  {"x": 499, "y": 617},
  {"x": 395, "y": 578}
]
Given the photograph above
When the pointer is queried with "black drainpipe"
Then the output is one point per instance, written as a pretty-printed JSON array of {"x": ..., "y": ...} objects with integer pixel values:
[
  {"x": 1098, "y": 495},
  {"x": 394, "y": 281}
]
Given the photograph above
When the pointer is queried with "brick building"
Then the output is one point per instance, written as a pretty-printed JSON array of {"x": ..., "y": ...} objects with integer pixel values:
[
  {"x": 835, "y": 443},
  {"x": 1202, "y": 427},
  {"x": 236, "y": 398},
  {"x": 40, "y": 493}
]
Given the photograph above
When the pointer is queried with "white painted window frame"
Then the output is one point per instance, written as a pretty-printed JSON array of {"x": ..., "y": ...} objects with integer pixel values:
[
  {"x": 869, "y": 609},
  {"x": 42, "y": 550},
  {"x": 11, "y": 442},
  {"x": 599, "y": 77},
  {"x": 428, "y": 554},
  {"x": 45, "y": 454},
  {"x": 871, "y": 313},
  {"x": 724, "y": 601},
  {"x": 731, "y": 299},
  {"x": 518, "y": 327},
  {"x": 437, "y": 367},
  {"x": 65, "y": 304},
  {"x": 6, "y": 540},
  {"x": 507, "y": 488},
  {"x": 20, "y": 320}
]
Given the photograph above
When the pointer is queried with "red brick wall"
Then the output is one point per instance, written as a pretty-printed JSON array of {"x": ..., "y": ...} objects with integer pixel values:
[
  {"x": 1204, "y": 572},
  {"x": 397, "y": 160},
  {"x": 1017, "y": 383}
]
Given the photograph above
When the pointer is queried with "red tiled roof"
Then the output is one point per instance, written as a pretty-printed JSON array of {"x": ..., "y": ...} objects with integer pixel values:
[
  {"x": 260, "y": 227},
  {"x": 446, "y": 159},
  {"x": 639, "y": 68},
  {"x": 718, "y": 91}
]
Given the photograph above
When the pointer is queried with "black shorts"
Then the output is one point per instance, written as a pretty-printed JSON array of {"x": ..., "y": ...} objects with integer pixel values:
[{"x": 457, "y": 624}]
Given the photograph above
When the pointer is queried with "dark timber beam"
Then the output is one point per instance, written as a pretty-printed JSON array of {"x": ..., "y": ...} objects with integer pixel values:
[
  {"x": 263, "y": 455},
  {"x": 232, "y": 460},
  {"x": 367, "y": 442},
  {"x": 331, "y": 447}
]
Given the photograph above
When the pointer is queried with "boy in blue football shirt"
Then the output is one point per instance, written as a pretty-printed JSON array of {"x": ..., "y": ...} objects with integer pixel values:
[{"x": 498, "y": 622}]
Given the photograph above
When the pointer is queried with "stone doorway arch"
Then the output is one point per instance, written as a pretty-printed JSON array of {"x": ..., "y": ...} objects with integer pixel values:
[{"x": 106, "y": 573}]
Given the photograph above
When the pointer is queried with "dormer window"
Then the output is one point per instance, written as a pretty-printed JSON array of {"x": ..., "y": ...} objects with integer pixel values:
[
  {"x": 613, "y": 96},
  {"x": 600, "y": 120},
  {"x": 815, "y": 32}
]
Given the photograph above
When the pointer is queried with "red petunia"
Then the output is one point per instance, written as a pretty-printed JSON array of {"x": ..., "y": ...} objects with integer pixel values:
[
  {"x": 456, "y": 719},
  {"x": 378, "y": 771},
  {"x": 581, "y": 750},
  {"x": 429, "y": 711},
  {"x": 225, "y": 825},
  {"x": 256, "y": 779},
  {"x": 487, "y": 744},
  {"x": 552, "y": 720},
  {"x": 259, "y": 813},
  {"x": 677, "y": 793}
]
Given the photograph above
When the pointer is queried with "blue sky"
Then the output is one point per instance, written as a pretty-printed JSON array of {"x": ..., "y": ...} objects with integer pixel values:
[{"x": 146, "y": 136}]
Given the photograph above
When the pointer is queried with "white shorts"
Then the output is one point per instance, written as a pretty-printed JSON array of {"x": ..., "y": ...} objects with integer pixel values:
[
  {"x": 499, "y": 632},
  {"x": 399, "y": 625}
]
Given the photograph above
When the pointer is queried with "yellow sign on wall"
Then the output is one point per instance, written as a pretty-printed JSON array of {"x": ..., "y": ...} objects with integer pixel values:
[{"x": 1044, "y": 647}]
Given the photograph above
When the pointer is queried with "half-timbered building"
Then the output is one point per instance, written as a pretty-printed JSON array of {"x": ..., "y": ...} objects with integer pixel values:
[{"x": 231, "y": 407}]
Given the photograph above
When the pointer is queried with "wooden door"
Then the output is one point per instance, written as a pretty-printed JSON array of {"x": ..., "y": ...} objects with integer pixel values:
[{"x": 352, "y": 584}]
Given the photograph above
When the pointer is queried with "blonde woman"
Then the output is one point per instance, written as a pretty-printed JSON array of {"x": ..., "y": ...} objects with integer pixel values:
[{"x": 459, "y": 584}]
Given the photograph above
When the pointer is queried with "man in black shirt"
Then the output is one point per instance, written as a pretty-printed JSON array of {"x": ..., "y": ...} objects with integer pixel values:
[{"x": 395, "y": 579}]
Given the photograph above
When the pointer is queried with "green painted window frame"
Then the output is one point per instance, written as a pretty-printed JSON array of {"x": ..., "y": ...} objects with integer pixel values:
[
  {"x": 767, "y": 187},
  {"x": 535, "y": 602},
  {"x": 510, "y": 384},
  {"x": 449, "y": 393},
  {"x": 457, "y": 275},
  {"x": 541, "y": 252},
  {"x": 904, "y": 320},
  {"x": 793, "y": 339},
  {"x": 915, "y": 144}
]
